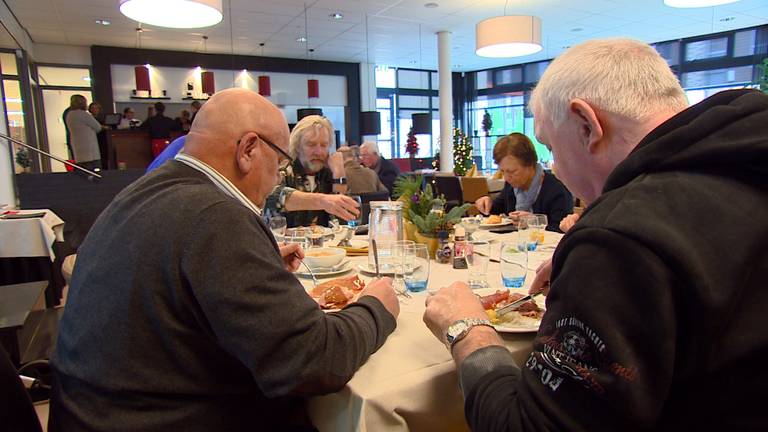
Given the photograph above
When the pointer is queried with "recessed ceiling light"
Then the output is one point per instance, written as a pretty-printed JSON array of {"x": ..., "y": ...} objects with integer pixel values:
[
  {"x": 727, "y": 19},
  {"x": 413, "y": 62},
  {"x": 336, "y": 16},
  {"x": 174, "y": 13},
  {"x": 103, "y": 22},
  {"x": 576, "y": 29},
  {"x": 431, "y": 5},
  {"x": 87, "y": 78},
  {"x": 301, "y": 39}
]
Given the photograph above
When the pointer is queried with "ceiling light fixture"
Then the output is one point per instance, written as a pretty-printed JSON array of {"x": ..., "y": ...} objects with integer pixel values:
[
  {"x": 103, "y": 22},
  {"x": 336, "y": 16},
  {"x": 301, "y": 39},
  {"x": 174, "y": 13},
  {"x": 508, "y": 36},
  {"x": 696, "y": 3},
  {"x": 431, "y": 5}
]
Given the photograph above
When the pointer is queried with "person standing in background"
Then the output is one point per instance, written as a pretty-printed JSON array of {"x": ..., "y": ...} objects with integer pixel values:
[
  {"x": 66, "y": 130},
  {"x": 98, "y": 113},
  {"x": 83, "y": 129}
]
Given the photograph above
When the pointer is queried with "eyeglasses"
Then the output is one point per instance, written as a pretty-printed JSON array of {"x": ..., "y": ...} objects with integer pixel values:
[{"x": 285, "y": 158}]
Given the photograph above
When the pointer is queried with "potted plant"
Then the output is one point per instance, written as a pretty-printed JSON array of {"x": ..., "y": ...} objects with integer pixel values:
[
  {"x": 412, "y": 147},
  {"x": 428, "y": 218},
  {"x": 407, "y": 189},
  {"x": 23, "y": 160},
  {"x": 487, "y": 123}
]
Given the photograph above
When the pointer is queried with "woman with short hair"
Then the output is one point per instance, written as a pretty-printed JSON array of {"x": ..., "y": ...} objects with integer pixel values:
[
  {"x": 528, "y": 188},
  {"x": 83, "y": 129}
]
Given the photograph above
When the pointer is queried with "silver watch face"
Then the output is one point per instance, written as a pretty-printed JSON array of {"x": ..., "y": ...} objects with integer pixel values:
[{"x": 456, "y": 329}]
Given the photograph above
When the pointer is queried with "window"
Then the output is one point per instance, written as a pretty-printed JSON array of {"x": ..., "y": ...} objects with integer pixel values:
[
  {"x": 717, "y": 77},
  {"x": 508, "y": 76},
  {"x": 706, "y": 49},
  {"x": 406, "y": 101},
  {"x": 64, "y": 76},
  {"x": 412, "y": 79},
  {"x": 670, "y": 52},
  {"x": 385, "y": 77},
  {"x": 534, "y": 71},
  {"x": 744, "y": 43},
  {"x": 483, "y": 80},
  {"x": 8, "y": 64}
]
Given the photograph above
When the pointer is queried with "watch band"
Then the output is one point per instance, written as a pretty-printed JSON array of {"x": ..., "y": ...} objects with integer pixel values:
[
  {"x": 460, "y": 328},
  {"x": 340, "y": 180}
]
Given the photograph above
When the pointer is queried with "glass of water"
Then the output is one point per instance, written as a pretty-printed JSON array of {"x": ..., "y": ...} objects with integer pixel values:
[
  {"x": 540, "y": 225},
  {"x": 528, "y": 233},
  {"x": 514, "y": 265},
  {"x": 354, "y": 223},
  {"x": 299, "y": 236},
  {"x": 477, "y": 263},
  {"x": 416, "y": 267},
  {"x": 278, "y": 224}
]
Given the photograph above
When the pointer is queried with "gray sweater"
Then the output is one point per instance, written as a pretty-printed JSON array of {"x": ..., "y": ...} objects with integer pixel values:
[
  {"x": 82, "y": 131},
  {"x": 180, "y": 316}
]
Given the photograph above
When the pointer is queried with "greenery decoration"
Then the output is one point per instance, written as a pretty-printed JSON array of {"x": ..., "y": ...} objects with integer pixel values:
[
  {"x": 436, "y": 221},
  {"x": 462, "y": 152},
  {"x": 487, "y": 123},
  {"x": 411, "y": 145},
  {"x": 22, "y": 158},
  {"x": 762, "y": 79}
]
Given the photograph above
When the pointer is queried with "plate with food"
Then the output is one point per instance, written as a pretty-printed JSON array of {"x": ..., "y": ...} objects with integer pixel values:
[
  {"x": 495, "y": 221},
  {"x": 526, "y": 319},
  {"x": 337, "y": 293}
]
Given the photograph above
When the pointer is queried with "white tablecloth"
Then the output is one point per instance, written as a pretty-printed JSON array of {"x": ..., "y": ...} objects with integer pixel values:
[
  {"x": 410, "y": 384},
  {"x": 30, "y": 237}
]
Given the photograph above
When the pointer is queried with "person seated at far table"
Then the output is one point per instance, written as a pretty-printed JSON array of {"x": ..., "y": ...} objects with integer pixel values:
[
  {"x": 527, "y": 189},
  {"x": 386, "y": 169},
  {"x": 360, "y": 180},
  {"x": 655, "y": 317},
  {"x": 313, "y": 184},
  {"x": 183, "y": 313}
]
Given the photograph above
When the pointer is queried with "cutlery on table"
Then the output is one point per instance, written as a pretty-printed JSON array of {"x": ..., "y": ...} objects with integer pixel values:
[{"x": 516, "y": 304}]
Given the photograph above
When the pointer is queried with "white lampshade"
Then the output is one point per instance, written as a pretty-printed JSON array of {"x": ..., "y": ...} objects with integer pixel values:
[
  {"x": 508, "y": 36},
  {"x": 696, "y": 3},
  {"x": 173, "y": 13}
]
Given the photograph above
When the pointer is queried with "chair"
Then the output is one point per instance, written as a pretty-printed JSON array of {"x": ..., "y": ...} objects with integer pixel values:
[
  {"x": 474, "y": 188},
  {"x": 450, "y": 188},
  {"x": 16, "y": 410}
]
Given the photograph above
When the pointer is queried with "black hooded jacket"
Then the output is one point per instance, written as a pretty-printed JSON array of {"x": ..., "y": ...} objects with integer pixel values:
[{"x": 658, "y": 314}]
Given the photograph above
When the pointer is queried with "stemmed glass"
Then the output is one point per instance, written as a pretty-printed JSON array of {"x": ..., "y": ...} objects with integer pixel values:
[{"x": 278, "y": 224}]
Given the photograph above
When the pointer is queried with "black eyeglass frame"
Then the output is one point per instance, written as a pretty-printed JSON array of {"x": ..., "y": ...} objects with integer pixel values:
[{"x": 277, "y": 149}]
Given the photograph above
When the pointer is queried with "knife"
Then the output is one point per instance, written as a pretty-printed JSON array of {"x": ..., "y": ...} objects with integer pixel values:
[
  {"x": 516, "y": 304},
  {"x": 375, "y": 256}
]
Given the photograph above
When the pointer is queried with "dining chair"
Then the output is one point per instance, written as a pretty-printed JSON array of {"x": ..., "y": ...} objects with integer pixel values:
[{"x": 450, "y": 188}]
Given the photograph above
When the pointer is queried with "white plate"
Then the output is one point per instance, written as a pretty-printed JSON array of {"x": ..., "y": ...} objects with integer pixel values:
[
  {"x": 504, "y": 222},
  {"x": 483, "y": 237},
  {"x": 344, "y": 268},
  {"x": 515, "y": 328},
  {"x": 358, "y": 244},
  {"x": 371, "y": 269}
]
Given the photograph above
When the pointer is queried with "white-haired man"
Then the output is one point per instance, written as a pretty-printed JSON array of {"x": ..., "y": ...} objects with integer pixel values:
[
  {"x": 655, "y": 316},
  {"x": 386, "y": 169},
  {"x": 313, "y": 183}
]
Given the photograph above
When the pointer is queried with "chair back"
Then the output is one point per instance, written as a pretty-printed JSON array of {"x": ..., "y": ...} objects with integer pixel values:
[
  {"x": 16, "y": 410},
  {"x": 450, "y": 187},
  {"x": 474, "y": 188}
]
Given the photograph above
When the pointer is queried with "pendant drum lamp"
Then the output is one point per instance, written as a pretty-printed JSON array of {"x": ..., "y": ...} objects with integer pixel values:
[
  {"x": 265, "y": 87},
  {"x": 696, "y": 3},
  {"x": 313, "y": 88},
  {"x": 422, "y": 123},
  {"x": 370, "y": 123},
  {"x": 142, "y": 78},
  {"x": 173, "y": 13},
  {"x": 508, "y": 36},
  {"x": 303, "y": 112}
]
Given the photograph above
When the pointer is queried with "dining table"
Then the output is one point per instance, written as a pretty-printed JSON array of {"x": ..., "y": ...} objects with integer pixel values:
[{"x": 410, "y": 383}]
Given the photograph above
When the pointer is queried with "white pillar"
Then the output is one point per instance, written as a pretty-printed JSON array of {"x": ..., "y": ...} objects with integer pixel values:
[
  {"x": 368, "y": 92},
  {"x": 446, "y": 100}
]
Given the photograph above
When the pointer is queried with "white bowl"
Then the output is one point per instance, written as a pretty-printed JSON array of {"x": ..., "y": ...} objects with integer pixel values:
[{"x": 324, "y": 256}]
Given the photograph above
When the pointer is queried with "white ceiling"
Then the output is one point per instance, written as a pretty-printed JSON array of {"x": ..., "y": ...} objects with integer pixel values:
[{"x": 400, "y": 32}]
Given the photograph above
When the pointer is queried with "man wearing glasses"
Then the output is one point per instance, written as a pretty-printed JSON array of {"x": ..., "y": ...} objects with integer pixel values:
[
  {"x": 183, "y": 313},
  {"x": 313, "y": 180}
]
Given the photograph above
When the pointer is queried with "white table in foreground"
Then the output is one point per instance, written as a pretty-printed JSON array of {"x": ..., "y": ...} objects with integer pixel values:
[
  {"x": 32, "y": 237},
  {"x": 410, "y": 384}
]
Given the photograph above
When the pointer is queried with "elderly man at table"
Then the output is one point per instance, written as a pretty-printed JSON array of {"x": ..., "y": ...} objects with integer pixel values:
[
  {"x": 528, "y": 188},
  {"x": 655, "y": 316},
  {"x": 310, "y": 190},
  {"x": 386, "y": 169},
  {"x": 196, "y": 323},
  {"x": 360, "y": 179}
]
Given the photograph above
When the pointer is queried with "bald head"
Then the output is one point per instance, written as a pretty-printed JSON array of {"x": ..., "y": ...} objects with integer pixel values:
[{"x": 230, "y": 133}]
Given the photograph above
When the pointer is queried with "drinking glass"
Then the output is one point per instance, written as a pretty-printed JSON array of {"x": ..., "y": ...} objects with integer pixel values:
[
  {"x": 471, "y": 224},
  {"x": 299, "y": 236},
  {"x": 477, "y": 263},
  {"x": 401, "y": 253},
  {"x": 354, "y": 223},
  {"x": 528, "y": 233},
  {"x": 416, "y": 267},
  {"x": 316, "y": 236},
  {"x": 540, "y": 225},
  {"x": 278, "y": 224},
  {"x": 514, "y": 264}
]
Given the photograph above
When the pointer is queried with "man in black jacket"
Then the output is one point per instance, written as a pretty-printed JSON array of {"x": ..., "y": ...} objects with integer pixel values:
[
  {"x": 386, "y": 169},
  {"x": 183, "y": 313},
  {"x": 656, "y": 313}
]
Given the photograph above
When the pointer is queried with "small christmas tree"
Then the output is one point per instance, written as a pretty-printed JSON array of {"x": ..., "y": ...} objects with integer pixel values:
[
  {"x": 411, "y": 145},
  {"x": 462, "y": 152},
  {"x": 487, "y": 123}
]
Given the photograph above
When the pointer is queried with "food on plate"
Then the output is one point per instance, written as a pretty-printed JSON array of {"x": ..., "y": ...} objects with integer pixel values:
[
  {"x": 493, "y": 220},
  {"x": 528, "y": 313},
  {"x": 337, "y": 293}
]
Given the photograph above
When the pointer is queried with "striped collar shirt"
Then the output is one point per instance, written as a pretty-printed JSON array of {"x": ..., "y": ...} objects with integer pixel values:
[{"x": 219, "y": 180}]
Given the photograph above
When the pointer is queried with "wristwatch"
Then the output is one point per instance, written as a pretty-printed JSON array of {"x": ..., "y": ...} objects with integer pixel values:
[
  {"x": 459, "y": 329},
  {"x": 340, "y": 180}
]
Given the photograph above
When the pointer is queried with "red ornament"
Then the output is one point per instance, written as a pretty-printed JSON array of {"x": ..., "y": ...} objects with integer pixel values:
[
  {"x": 142, "y": 78},
  {"x": 209, "y": 86},
  {"x": 265, "y": 89},
  {"x": 313, "y": 88}
]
